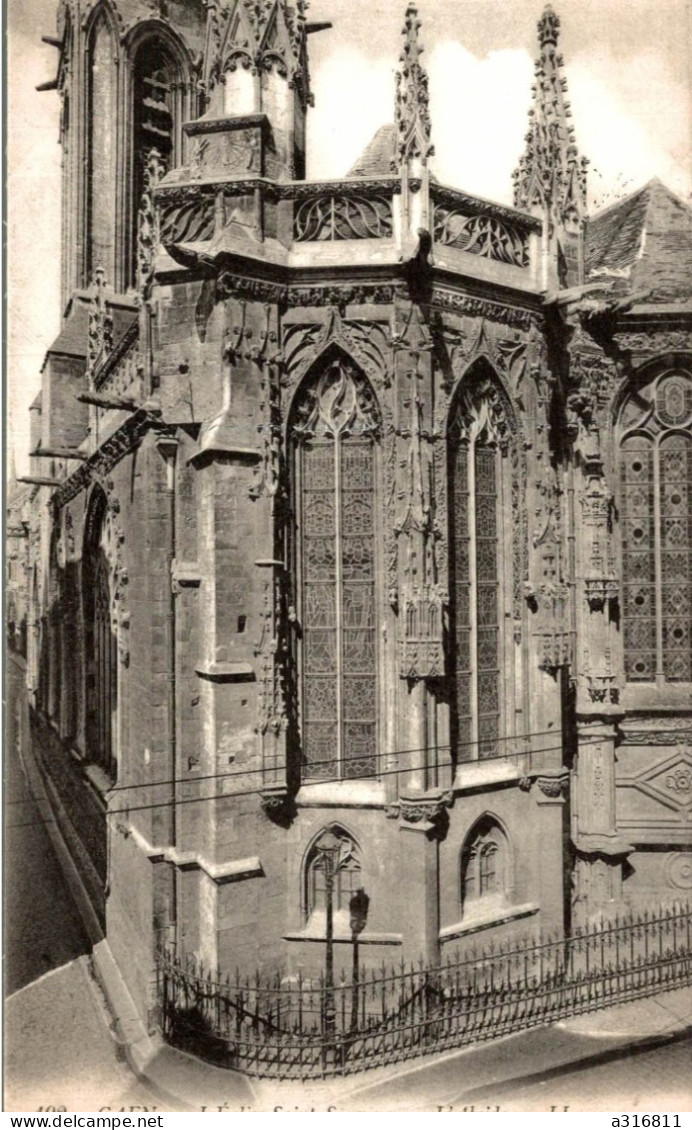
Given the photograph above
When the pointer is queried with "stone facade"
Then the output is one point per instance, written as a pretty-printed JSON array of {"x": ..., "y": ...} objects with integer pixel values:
[{"x": 330, "y": 527}]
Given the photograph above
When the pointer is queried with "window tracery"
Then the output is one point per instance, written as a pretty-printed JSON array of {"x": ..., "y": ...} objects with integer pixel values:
[
  {"x": 334, "y": 429},
  {"x": 484, "y": 866},
  {"x": 347, "y": 879},
  {"x": 656, "y": 516},
  {"x": 479, "y": 442}
]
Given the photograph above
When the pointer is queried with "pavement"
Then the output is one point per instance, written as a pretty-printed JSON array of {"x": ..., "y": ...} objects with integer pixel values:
[
  {"x": 60, "y": 1048},
  {"x": 65, "y": 1047}
]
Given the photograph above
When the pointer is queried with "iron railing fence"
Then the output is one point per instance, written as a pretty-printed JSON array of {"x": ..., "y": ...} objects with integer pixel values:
[{"x": 300, "y": 1028}]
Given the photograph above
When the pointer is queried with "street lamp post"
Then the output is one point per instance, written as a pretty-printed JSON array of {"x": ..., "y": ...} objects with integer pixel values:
[
  {"x": 329, "y": 847},
  {"x": 358, "y": 908}
]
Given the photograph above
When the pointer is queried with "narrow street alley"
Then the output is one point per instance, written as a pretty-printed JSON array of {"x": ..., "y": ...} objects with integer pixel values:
[
  {"x": 58, "y": 1046},
  {"x": 42, "y": 927}
]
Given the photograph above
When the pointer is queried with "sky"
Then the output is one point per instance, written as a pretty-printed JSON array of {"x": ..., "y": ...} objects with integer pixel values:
[{"x": 629, "y": 72}]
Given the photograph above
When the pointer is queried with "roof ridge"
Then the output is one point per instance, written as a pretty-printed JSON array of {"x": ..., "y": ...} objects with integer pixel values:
[{"x": 655, "y": 182}]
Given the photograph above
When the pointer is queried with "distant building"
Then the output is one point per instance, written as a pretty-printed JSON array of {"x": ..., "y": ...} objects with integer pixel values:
[{"x": 360, "y": 505}]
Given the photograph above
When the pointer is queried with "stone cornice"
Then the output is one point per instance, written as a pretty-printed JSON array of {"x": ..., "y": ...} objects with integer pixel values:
[
  {"x": 476, "y": 205},
  {"x": 168, "y": 191},
  {"x": 224, "y": 125}
]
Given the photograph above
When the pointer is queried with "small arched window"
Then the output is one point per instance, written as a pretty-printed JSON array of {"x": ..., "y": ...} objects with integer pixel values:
[
  {"x": 484, "y": 867},
  {"x": 334, "y": 428},
  {"x": 656, "y": 523},
  {"x": 101, "y": 644},
  {"x": 347, "y": 880},
  {"x": 479, "y": 448}
]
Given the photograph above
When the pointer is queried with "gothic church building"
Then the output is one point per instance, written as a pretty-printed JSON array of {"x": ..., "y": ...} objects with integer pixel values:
[{"x": 360, "y": 505}]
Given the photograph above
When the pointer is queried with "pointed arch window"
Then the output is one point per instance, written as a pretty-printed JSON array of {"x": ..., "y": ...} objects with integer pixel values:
[
  {"x": 101, "y": 155},
  {"x": 347, "y": 879},
  {"x": 157, "y": 117},
  {"x": 479, "y": 468},
  {"x": 656, "y": 517},
  {"x": 101, "y": 645},
  {"x": 484, "y": 867},
  {"x": 334, "y": 429}
]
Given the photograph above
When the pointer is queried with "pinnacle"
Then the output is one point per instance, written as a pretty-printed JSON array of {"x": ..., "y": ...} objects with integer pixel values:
[{"x": 548, "y": 28}]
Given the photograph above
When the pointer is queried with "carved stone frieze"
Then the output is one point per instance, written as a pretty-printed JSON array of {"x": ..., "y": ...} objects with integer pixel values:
[
  {"x": 341, "y": 296},
  {"x": 229, "y": 284},
  {"x": 645, "y": 345},
  {"x": 480, "y": 307},
  {"x": 657, "y": 730}
]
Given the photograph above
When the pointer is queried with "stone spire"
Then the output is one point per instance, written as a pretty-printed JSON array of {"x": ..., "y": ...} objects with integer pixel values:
[
  {"x": 411, "y": 114},
  {"x": 551, "y": 175}
]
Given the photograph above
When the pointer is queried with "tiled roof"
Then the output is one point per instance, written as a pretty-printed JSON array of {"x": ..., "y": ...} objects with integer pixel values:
[
  {"x": 645, "y": 240},
  {"x": 72, "y": 339},
  {"x": 376, "y": 158}
]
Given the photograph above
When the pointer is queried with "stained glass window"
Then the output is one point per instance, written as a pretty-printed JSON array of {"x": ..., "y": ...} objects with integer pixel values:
[
  {"x": 475, "y": 468},
  {"x": 656, "y": 528},
  {"x": 334, "y": 427}
]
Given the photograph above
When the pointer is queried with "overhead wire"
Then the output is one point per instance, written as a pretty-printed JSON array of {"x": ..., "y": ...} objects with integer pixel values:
[
  {"x": 127, "y": 809},
  {"x": 317, "y": 764}
]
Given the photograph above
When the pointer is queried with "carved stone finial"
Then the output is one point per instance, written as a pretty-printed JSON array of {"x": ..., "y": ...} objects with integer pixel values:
[
  {"x": 551, "y": 174},
  {"x": 100, "y": 332},
  {"x": 411, "y": 113},
  {"x": 548, "y": 28},
  {"x": 147, "y": 234}
]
